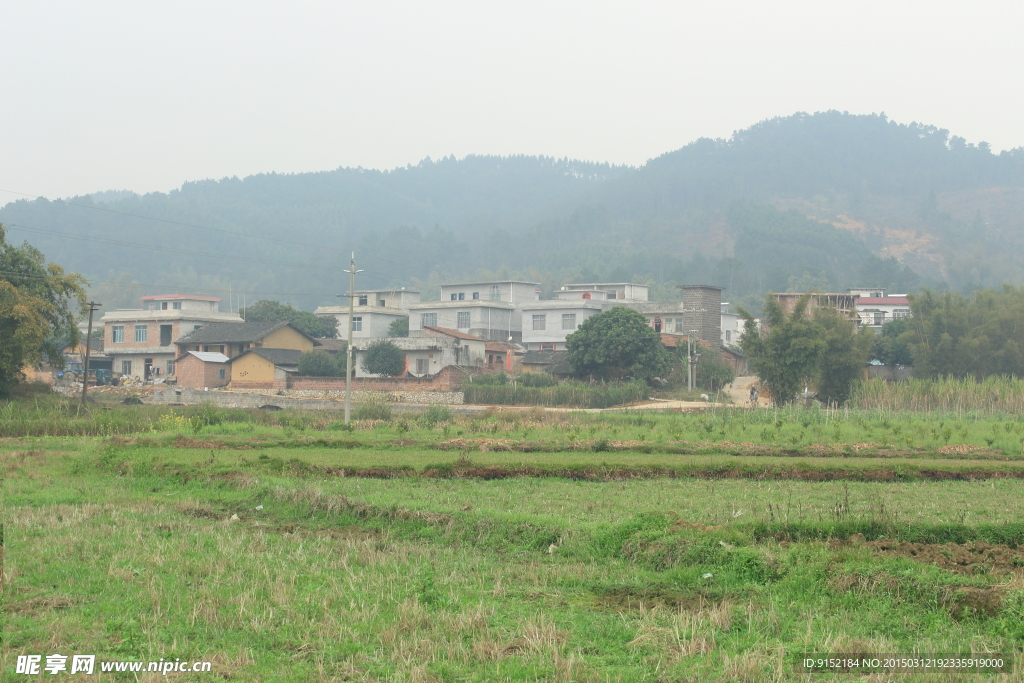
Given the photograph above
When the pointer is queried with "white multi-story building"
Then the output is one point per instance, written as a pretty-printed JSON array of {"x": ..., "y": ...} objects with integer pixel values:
[
  {"x": 619, "y": 291},
  {"x": 141, "y": 341},
  {"x": 546, "y": 324},
  {"x": 732, "y": 326},
  {"x": 490, "y": 310},
  {"x": 374, "y": 311},
  {"x": 874, "y": 308}
]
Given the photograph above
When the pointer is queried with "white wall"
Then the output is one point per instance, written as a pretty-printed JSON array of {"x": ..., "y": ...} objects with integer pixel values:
[
  {"x": 489, "y": 322},
  {"x": 553, "y": 332},
  {"x": 374, "y": 324}
]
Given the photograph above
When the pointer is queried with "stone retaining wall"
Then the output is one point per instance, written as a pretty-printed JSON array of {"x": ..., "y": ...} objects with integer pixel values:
[
  {"x": 291, "y": 398},
  {"x": 449, "y": 379},
  {"x": 360, "y": 395}
]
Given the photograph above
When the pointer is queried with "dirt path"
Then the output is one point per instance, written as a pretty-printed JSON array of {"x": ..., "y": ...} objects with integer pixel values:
[{"x": 739, "y": 391}]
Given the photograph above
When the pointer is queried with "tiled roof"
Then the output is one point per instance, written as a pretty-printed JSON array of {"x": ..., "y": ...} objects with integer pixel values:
[
  {"x": 544, "y": 357},
  {"x": 232, "y": 333},
  {"x": 449, "y": 332},
  {"x": 282, "y": 357},
  {"x": 332, "y": 344},
  {"x": 503, "y": 347}
]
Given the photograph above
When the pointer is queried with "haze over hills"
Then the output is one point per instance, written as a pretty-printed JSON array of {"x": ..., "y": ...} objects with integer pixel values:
[{"x": 828, "y": 200}]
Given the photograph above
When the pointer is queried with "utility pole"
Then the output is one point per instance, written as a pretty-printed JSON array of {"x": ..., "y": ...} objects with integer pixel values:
[
  {"x": 691, "y": 360},
  {"x": 348, "y": 347},
  {"x": 88, "y": 335}
]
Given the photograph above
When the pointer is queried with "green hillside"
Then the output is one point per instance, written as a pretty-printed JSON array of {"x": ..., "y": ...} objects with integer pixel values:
[{"x": 828, "y": 200}]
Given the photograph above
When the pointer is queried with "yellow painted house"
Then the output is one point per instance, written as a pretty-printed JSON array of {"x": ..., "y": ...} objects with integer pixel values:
[
  {"x": 261, "y": 353},
  {"x": 263, "y": 368}
]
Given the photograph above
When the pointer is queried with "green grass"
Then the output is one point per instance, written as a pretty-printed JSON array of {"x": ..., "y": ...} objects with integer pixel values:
[{"x": 122, "y": 544}]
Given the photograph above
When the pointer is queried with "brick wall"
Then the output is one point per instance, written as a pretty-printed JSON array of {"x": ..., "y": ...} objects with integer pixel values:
[{"x": 449, "y": 379}]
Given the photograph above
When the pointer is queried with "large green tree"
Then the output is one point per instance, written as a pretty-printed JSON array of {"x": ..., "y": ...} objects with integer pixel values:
[
  {"x": 892, "y": 347},
  {"x": 618, "y": 344},
  {"x": 844, "y": 356},
  {"x": 274, "y": 311},
  {"x": 967, "y": 336},
  {"x": 39, "y": 303},
  {"x": 319, "y": 363},
  {"x": 818, "y": 349},
  {"x": 785, "y": 350},
  {"x": 399, "y": 327},
  {"x": 383, "y": 358}
]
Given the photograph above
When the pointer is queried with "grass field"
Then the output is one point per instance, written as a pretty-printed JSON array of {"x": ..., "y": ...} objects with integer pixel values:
[{"x": 510, "y": 546}]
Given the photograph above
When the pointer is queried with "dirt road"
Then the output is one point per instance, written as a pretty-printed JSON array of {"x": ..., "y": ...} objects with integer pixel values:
[{"x": 739, "y": 392}]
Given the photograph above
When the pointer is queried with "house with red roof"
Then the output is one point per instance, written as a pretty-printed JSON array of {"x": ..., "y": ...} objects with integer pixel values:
[{"x": 875, "y": 308}]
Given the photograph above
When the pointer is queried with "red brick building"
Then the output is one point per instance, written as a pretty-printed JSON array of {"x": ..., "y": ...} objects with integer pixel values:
[{"x": 202, "y": 369}]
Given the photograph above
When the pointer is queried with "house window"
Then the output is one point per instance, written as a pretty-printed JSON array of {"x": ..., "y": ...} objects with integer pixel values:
[
  {"x": 728, "y": 335},
  {"x": 901, "y": 313},
  {"x": 463, "y": 320},
  {"x": 568, "y": 321},
  {"x": 222, "y": 373},
  {"x": 362, "y": 300},
  {"x": 539, "y": 321},
  {"x": 462, "y": 296},
  {"x": 357, "y": 323},
  {"x": 141, "y": 333},
  {"x": 176, "y": 305},
  {"x": 170, "y": 367},
  {"x": 547, "y": 347},
  {"x": 428, "y": 319},
  {"x": 422, "y": 366},
  {"x": 476, "y": 295},
  {"x": 117, "y": 334},
  {"x": 126, "y": 367},
  {"x": 879, "y": 317},
  {"x": 495, "y": 293},
  {"x": 196, "y": 327},
  {"x": 455, "y": 297},
  {"x": 163, "y": 305}
]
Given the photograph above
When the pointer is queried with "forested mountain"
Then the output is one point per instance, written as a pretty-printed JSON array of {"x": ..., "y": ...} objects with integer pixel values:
[{"x": 829, "y": 200}]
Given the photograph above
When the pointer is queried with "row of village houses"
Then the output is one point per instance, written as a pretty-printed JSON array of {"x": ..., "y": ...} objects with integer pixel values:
[{"x": 488, "y": 325}]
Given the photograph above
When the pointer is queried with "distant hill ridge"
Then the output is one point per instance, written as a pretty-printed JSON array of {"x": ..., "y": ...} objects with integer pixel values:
[{"x": 825, "y": 200}]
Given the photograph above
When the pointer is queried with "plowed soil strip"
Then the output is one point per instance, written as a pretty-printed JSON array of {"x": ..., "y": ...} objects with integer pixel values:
[{"x": 464, "y": 470}]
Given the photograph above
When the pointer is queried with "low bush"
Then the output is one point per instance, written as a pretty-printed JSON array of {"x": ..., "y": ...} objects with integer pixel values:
[
  {"x": 536, "y": 379},
  {"x": 375, "y": 409},
  {"x": 436, "y": 414}
]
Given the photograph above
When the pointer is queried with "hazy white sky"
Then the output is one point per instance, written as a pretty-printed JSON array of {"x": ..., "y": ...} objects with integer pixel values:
[{"x": 143, "y": 96}]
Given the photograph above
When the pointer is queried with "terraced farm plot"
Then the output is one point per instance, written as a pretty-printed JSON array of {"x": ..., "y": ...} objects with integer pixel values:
[{"x": 396, "y": 552}]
